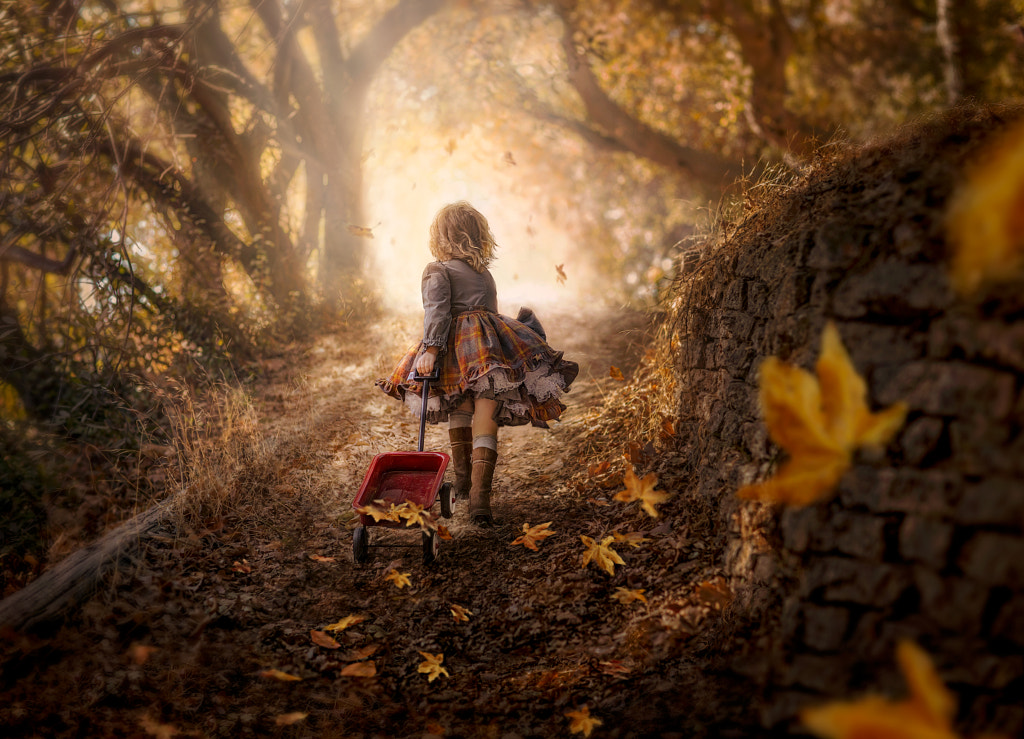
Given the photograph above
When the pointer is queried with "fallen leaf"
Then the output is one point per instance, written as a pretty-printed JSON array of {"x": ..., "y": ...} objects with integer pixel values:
[
  {"x": 323, "y": 640},
  {"x": 615, "y": 373},
  {"x": 435, "y": 729},
  {"x": 533, "y": 535},
  {"x": 615, "y": 667},
  {"x": 460, "y": 613},
  {"x": 601, "y": 554},
  {"x": 319, "y": 558},
  {"x": 244, "y": 567},
  {"x": 363, "y": 231},
  {"x": 140, "y": 653},
  {"x": 431, "y": 666},
  {"x": 357, "y": 655},
  {"x": 598, "y": 469},
  {"x": 359, "y": 669},
  {"x": 598, "y": 501},
  {"x": 400, "y": 579},
  {"x": 642, "y": 490},
  {"x": 581, "y": 722},
  {"x": 443, "y": 532},
  {"x": 287, "y": 719},
  {"x": 560, "y": 278},
  {"x": 714, "y": 594},
  {"x": 819, "y": 421},
  {"x": 986, "y": 216},
  {"x": 278, "y": 675},
  {"x": 345, "y": 623},
  {"x": 378, "y": 512},
  {"x": 668, "y": 428},
  {"x": 154, "y": 728},
  {"x": 633, "y": 538},
  {"x": 626, "y": 596}
]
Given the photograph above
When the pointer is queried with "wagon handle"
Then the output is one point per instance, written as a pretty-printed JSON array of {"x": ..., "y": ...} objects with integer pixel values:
[{"x": 425, "y": 379}]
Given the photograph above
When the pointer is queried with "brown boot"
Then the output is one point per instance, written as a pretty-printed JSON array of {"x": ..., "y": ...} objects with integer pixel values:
[
  {"x": 480, "y": 492},
  {"x": 462, "y": 453}
]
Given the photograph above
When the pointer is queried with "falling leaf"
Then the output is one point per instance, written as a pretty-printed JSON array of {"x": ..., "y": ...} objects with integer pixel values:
[
  {"x": 287, "y": 719},
  {"x": 926, "y": 714},
  {"x": 450, "y": 147},
  {"x": 345, "y": 623},
  {"x": 244, "y": 567},
  {"x": 359, "y": 669},
  {"x": 581, "y": 722},
  {"x": 601, "y": 554},
  {"x": 819, "y": 421},
  {"x": 668, "y": 428},
  {"x": 598, "y": 469},
  {"x": 319, "y": 558},
  {"x": 642, "y": 490},
  {"x": 633, "y": 538},
  {"x": 443, "y": 532},
  {"x": 986, "y": 217},
  {"x": 154, "y": 728},
  {"x": 560, "y": 277},
  {"x": 626, "y": 596},
  {"x": 413, "y": 513},
  {"x": 278, "y": 675},
  {"x": 400, "y": 579},
  {"x": 323, "y": 640},
  {"x": 140, "y": 653},
  {"x": 460, "y": 613},
  {"x": 509, "y": 159},
  {"x": 533, "y": 535},
  {"x": 432, "y": 666},
  {"x": 378, "y": 512},
  {"x": 366, "y": 233},
  {"x": 615, "y": 373}
]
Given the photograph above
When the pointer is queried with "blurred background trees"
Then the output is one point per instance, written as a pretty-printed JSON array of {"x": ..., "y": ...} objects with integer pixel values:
[{"x": 186, "y": 182}]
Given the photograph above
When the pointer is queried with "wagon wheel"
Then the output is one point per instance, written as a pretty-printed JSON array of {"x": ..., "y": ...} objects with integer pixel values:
[
  {"x": 431, "y": 546},
  {"x": 447, "y": 500},
  {"x": 360, "y": 544}
]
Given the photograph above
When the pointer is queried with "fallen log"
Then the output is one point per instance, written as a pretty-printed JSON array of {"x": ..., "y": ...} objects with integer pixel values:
[{"x": 75, "y": 578}]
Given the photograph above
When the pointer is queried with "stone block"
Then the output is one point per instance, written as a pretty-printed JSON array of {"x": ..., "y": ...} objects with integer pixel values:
[
  {"x": 757, "y": 299},
  {"x": 947, "y": 388},
  {"x": 955, "y": 604},
  {"x": 925, "y": 540},
  {"x": 993, "y": 342},
  {"x": 982, "y": 446},
  {"x": 995, "y": 501},
  {"x": 735, "y": 296},
  {"x": 893, "y": 289},
  {"x": 1009, "y": 621},
  {"x": 825, "y": 627},
  {"x": 994, "y": 558},
  {"x": 842, "y": 580},
  {"x": 791, "y": 293},
  {"x": 733, "y": 324},
  {"x": 872, "y": 344},
  {"x": 920, "y": 440}
]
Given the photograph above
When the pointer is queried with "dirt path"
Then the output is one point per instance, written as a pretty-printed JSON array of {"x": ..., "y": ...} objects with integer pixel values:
[{"x": 183, "y": 641}]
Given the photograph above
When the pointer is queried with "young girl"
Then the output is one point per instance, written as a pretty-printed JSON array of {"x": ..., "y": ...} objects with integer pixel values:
[{"x": 493, "y": 370}]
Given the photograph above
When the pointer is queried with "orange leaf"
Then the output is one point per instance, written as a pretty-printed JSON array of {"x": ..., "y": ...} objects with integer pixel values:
[
  {"x": 278, "y": 675},
  {"x": 599, "y": 469},
  {"x": 626, "y": 596},
  {"x": 345, "y": 623},
  {"x": 615, "y": 373},
  {"x": 287, "y": 719},
  {"x": 323, "y": 640},
  {"x": 533, "y": 535},
  {"x": 319, "y": 558},
  {"x": 357, "y": 655},
  {"x": 140, "y": 653},
  {"x": 581, "y": 722},
  {"x": 244, "y": 567},
  {"x": 363, "y": 231},
  {"x": 154, "y": 728},
  {"x": 443, "y": 532},
  {"x": 642, "y": 490},
  {"x": 561, "y": 278},
  {"x": 359, "y": 669},
  {"x": 400, "y": 579},
  {"x": 601, "y": 554},
  {"x": 714, "y": 594},
  {"x": 460, "y": 613}
]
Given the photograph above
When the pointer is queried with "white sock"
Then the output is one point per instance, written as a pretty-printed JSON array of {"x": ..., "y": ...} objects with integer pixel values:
[{"x": 486, "y": 440}]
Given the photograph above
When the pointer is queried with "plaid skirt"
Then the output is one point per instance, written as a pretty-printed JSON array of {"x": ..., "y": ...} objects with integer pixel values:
[{"x": 492, "y": 356}]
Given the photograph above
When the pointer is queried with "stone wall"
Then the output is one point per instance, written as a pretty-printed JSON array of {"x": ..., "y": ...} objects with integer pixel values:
[{"x": 924, "y": 541}]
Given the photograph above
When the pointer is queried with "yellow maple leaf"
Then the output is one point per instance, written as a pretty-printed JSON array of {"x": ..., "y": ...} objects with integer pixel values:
[
  {"x": 414, "y": 513},
  {"x": 820, "y": 421},
  {"x": 581, "y": 722},
  {"x": 345, "y": 623},
  {"x": 926, "y": 714},
  {"x": 601, "y": 554},
  {"x": 400, "y": 579},
  {"x": 378, "y": 512},
  {"x": 279, "y": 675},
  {"x": 985, "y": 221},
  {"x": 460, "y": 613},
  {"x": 626, "y": 596},
  {"x": 431, "y": 666},
  {"x": 533, "y": 535},
  {"x": 642, "y": 490}
]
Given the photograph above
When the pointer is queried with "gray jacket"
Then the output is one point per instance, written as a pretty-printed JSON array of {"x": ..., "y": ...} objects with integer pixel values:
[{"x": 450, "y": 288}]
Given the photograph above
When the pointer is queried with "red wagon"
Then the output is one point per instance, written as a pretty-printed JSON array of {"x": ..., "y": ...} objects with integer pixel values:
[{"x": 404, "y": 477}]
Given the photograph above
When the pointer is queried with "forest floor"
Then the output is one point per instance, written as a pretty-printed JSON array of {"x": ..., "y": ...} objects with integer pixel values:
[{"x": 184, "y": 639}]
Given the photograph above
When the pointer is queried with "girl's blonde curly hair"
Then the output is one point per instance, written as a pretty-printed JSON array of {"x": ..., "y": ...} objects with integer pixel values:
[{"x": 460, "y": 231}]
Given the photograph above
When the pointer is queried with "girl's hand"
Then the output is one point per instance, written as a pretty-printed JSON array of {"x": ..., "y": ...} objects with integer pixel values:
[{"x": 425, "y": 363}]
